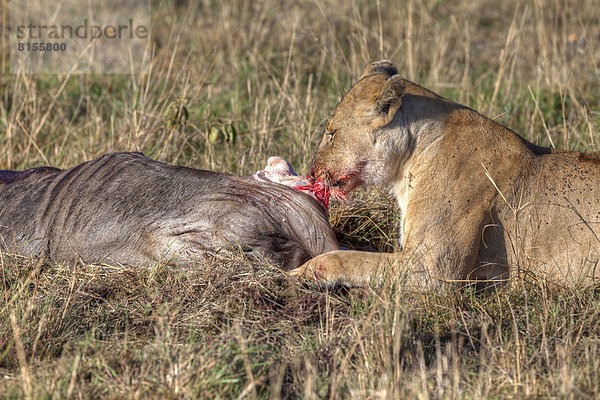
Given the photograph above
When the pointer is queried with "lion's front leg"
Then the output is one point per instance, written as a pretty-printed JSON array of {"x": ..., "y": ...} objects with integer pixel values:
[
  {"x": 347, "y": 268},
  {"x": 415, "y": 271}
]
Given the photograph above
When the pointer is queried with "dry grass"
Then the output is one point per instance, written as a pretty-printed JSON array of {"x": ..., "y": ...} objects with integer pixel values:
[{"x": 233, "y": 83}]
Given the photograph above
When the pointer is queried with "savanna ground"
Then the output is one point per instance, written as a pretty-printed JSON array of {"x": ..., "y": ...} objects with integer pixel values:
[{"x": 233, "y": 83}]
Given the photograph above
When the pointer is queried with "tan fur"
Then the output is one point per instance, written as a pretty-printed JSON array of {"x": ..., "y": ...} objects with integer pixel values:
[{"x": 477, "y": 200}]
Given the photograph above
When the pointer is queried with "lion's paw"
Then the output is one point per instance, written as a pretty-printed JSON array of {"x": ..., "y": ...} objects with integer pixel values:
[{"x": 324, "y": 270}]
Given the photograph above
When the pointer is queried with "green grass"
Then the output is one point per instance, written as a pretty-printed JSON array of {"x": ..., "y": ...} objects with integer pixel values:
[{"x": 255, "y": 79}]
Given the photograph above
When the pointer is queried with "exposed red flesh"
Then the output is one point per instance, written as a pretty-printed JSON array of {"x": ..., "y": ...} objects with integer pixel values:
[{"x": 318, "y": 189}]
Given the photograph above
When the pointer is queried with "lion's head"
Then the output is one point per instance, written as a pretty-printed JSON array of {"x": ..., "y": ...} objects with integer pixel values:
[{"x": 351, "y": 152}]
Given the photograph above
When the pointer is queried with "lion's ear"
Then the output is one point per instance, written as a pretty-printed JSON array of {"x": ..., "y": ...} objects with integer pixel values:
[
  {"x": 385, "y": 67},
  {"x": 389, "y": 98}
]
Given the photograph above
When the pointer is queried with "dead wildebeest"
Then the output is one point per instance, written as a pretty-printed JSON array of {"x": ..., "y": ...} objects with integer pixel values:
[{"x": 128, "y": 209}]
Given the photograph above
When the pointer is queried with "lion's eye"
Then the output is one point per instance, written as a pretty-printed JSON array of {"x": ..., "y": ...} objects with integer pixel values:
[{"x": 330, "y": 134}]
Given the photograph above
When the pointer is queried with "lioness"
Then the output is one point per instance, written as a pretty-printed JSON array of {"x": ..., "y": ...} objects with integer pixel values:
[
  {"x": 128, "y": 209},
  {"x": 477, "y": 200}
]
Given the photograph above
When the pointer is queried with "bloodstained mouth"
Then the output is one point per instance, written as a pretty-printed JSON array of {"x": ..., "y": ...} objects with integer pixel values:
[
  {"x": 338, "y": 194},
  {"x": 322, "y": 191}
]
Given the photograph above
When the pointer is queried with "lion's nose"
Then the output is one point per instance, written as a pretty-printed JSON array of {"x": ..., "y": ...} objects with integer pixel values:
[{"x": 312, "y": 172}]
